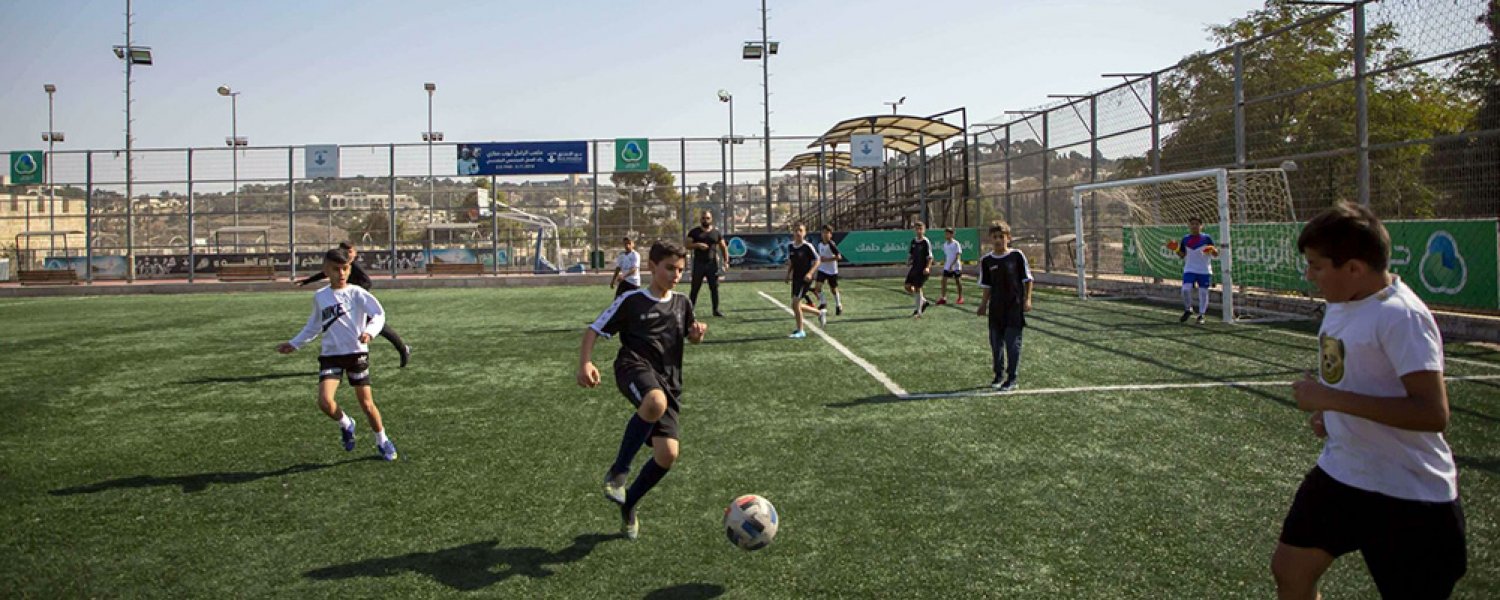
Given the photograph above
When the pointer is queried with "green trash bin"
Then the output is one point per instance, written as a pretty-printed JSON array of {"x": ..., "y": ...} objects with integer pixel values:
[{"x": 596, "y": 259}]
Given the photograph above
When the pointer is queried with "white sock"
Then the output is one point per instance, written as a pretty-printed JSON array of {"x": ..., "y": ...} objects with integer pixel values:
[
  {"x": 820, "y": 298},
  {"x": 380, "y": 437},
  {"x": 346, "y": 422},
  {"x": 919, "y": 300},
  {"x": 1203, "y": 301},
  {"x": 838, "y": 300},
  {"x": 1187, "y": 297}
]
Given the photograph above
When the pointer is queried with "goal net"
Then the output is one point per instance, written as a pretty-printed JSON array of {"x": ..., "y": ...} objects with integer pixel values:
[{"x": 1248, "y": 214}]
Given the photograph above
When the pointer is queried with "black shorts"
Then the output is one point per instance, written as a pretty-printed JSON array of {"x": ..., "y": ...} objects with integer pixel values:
[
  {"x": 635, "y": 380},
  {"x": 1413, "y": 549},
  {"x": 356, "y": 366},
  {"x": 831, "y": 278},
  {"x": 800, "y": 287},
  {"x": 953, "y": 274},
  {"x": 915, "y": 277},
  {"x": 625, "y": 286}
]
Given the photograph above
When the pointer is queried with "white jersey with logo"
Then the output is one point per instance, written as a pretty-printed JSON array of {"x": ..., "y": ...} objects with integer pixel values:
[
  {"x": 952, "y": 254},
  {"x": 630, "y": 261},
  {"x": 826, "y": 264},
  {"x": 1365, "y": 347},
  {"x": 340, "y": 316}
]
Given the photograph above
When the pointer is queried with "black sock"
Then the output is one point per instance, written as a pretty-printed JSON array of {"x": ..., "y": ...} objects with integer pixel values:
[
  {"x": 644, "y": 481},
  {"x": 636, "y": 430},
  {"x": 393, "y": 337}
]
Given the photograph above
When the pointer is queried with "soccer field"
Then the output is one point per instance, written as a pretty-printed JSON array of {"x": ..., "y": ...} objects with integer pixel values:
[{"x": 158, "y": 446}]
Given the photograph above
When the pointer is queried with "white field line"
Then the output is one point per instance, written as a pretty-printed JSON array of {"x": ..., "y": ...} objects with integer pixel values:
[
  {"x": 879, "y": 376},
  {"x": 1308, "y": 336},
  {"x": 34, "y": 300},
  {"x": 1137, "y": 387}
]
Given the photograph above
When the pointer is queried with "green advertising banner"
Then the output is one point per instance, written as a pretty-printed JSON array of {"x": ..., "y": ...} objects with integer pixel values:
[
  {"x": 632, "y": 155},
  {"x": 26, "y": 167},
  {"x": 1446, "y": 262},
  {"x": 885, "y": 247}
]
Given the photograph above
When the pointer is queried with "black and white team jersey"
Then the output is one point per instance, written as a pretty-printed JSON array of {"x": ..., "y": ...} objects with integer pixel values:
[
  {"x": 629, "y": 265},
  {"x": 801, "y": 257},
  {"x": 827, "y": 258},
  {"x": 652, "y": 331},
  {"x": 919, "y": 253},
  {"x": 1005, "y": 276},
  {"x": 340, "y": 316}
]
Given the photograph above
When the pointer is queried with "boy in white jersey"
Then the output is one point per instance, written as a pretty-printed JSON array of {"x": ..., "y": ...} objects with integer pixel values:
[
  {"x": 1197, "y": 251},
  {"x": 1385, "y": 484},
  {"x": 953, "y": 266},
  {"x": 346, "y": 316},
  {"x": 828, "y": 271},
  {"x": 627, "y": 275}
]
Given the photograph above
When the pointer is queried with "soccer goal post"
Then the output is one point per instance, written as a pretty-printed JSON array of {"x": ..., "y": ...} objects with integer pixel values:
[{"x": 1151, "y": 213}]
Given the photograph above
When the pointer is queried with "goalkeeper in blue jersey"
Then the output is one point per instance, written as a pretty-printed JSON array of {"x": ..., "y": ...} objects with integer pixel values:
[{"x": 1197, "y": 251}]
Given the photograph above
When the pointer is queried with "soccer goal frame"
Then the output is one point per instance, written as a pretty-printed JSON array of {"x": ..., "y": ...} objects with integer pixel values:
[{"x": 1226, "y": 248}]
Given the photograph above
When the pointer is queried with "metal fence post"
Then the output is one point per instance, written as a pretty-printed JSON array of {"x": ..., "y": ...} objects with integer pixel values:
[
  {"x": 1010, "y": 216},
  {"x": 391, "y": 202},
  {"x": 682, "y": 161},
  {"x": 291, "y": 213},
  {"x": 192, "y": 227},
  {"x": 598, "y": 251},
  {"x": 1361, "y": 105},
  {"x": 1239, "y": 106},
  {"x": 1046, "y": 192},
  {"x": 1093, "y": 178},
  {"x": 88, "y": 216},
  {"x": 495, "y": 224}
]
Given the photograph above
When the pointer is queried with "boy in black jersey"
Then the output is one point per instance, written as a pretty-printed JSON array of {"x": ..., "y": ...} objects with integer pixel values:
[
  {"x": 802, "y": 260},
  {"x": 652, "y": 323},
  {"x": 1006, "y": 278},
  {"x": 919, "y": 256},
  {"x": 358, "y": 278}
]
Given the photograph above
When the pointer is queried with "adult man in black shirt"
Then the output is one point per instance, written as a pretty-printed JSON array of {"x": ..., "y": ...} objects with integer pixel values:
[
  {"x": 358, "y": 277},
  {"x": 708, "y": 247},
  {"x": 801, "y": 261}
]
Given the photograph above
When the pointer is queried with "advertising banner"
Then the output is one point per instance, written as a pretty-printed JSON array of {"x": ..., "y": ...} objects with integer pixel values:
[
  {"x": 1446, "y": 262},
  {"x": 523, "y": 158},
  {"x": 857, "y": 247}
]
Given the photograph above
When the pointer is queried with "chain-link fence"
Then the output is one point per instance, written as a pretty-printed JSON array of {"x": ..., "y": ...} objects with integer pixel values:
[
  {"x": 1395, "y": 104},
  {"x": 193, "y": 209}
]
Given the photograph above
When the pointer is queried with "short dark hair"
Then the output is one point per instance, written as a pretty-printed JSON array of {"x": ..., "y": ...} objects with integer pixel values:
[
  {"x": 346, "y": 245},
  {"x": 796, "y": 224},
  {"x": 919, "y": 224},
  {"x": 828, "y": 228},
  {"x": 338, "y": 256},
  {"x": 999, "y": 227},
  {"x": 1347, "y": 232},
  {"x": 661, "y": 249},
  {"x": 627, "y": 238},
  {"x": 1195, "y": 219},
  {"x": 947, "y": 230}
]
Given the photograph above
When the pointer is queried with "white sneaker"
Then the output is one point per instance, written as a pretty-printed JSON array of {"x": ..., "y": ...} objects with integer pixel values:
[{"x": 823, "y": 318}]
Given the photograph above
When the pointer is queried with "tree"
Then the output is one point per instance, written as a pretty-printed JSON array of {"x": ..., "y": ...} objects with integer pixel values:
[
  {"x": 1476, "y": 160},
  {"x": 1404, "y": 104},
  {"x": 647, "y": 202}
]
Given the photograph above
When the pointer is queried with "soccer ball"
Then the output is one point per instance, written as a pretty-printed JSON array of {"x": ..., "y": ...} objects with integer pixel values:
[{"x": 750, "y": 522}]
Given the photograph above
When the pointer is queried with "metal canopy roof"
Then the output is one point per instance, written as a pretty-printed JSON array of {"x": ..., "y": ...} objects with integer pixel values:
[
  {"x": 809, "y": 160},
  {"x": 903, "y": 133}
]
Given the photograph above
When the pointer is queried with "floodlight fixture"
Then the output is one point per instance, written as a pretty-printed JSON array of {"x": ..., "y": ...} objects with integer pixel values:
[
  {"x": 236, "y": 141},
  {"x": 49, "y": 88},
  {"x": 52, "y": 136},
  {"x": 752, "y": 51},
  {"x": 137, "y": 55},
  {"x": 725, "y": 96},
  {"x": 432, "y": 136},
  {"x": 430, "y": 87}
]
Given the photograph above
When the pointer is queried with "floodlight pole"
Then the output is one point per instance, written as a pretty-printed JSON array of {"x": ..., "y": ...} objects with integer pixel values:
[
  {"x": 51, "y": 193},
  {"x": 129, "y": 172},
  {"x": 765, "y": 76},
  {"x": 431, "y": 183}
]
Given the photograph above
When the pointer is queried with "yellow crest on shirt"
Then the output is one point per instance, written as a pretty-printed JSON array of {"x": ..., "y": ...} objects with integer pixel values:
[{"x": 1331, "y": 359}]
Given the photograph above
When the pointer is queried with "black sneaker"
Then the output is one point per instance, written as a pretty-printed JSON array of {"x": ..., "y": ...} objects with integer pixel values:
[
  {"x": 925, "y": 304},
  {"x": 405, "y": 355},
  {"x": 1185, "y": 315},
  {"x": 718, "y": 314},
  {"x": 839, "y": 310},
  {"x": 1009, "y": 385}
]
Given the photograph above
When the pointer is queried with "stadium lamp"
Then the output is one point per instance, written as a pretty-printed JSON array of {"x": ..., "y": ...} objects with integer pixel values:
[
  {"x": 432, "y": 136},
  {"x": 1289, "y": 165},
  {"x": 725, "y": 96},
  {"x": 138, "y": 55}
]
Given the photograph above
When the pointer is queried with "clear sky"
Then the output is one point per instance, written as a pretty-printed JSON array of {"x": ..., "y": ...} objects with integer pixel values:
[{"x": 347, "y": 71}]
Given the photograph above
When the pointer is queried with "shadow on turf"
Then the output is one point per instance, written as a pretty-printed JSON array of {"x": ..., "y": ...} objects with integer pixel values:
[
  {"x": 471, "y": 566},
  {"x": 743, "y": 340},
  {"x": 245, "y": 379},
  {"x": 1488, "y": 465},
  {"x": 687, "y": 591},
  {"x": 197, "y": 483},
  {"x": 985, "y": 392}
]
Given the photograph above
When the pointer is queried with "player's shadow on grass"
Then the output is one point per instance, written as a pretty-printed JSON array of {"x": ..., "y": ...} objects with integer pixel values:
[
  {"x": 1488, "y": 465},
  {"x": 471, "y": 566},
  {"x": 687, "y": 591},
  {"x": 765, "y": 338},
  {"x": 245, "y": 378},
  {"x": 199, "y": 482}
]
